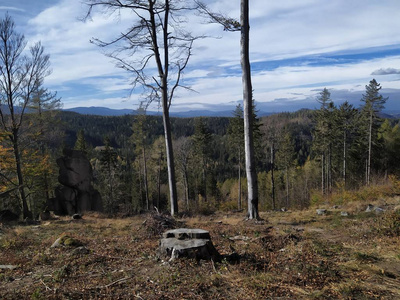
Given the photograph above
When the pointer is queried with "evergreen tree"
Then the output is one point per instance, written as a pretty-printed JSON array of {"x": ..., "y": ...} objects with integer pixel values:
[
  {"x": 81, "y": 143},
  {"x": 140, "y": 139},
  {"x": 201, "y": 142},
  {"x": 390, "y": 137},
  {"x": 345, "y": 123},
  {"x": 108, "y": 162},
  {"x": 322, "y": 143},
  {"x": 373, "y": 104},
  {"x": 236, "y": 143},
  {"x": 285, "y": 160}
]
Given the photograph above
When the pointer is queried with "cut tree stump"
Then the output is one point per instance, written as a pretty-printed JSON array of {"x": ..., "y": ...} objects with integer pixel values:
[{"x": 185, "y": 242}]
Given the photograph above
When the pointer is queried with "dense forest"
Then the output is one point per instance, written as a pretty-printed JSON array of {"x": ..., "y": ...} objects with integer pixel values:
[{"x": 302, "y": 157}]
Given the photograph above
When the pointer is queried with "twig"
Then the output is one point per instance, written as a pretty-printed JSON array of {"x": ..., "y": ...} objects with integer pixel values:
[
  {"x": 46, "y": 286},
  {"x": 115, "y": 282},
  {"x": 213, "y": 265}
]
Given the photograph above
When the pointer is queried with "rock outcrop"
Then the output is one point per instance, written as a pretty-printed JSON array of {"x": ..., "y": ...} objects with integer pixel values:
[{"x": 76, "y": 193}]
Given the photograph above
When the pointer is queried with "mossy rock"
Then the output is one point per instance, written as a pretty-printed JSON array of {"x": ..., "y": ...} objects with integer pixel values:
[{"x": 66, "y": 240}]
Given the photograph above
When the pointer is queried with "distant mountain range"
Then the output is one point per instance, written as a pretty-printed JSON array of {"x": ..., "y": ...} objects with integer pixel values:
[{"x": 104, "y": 111}]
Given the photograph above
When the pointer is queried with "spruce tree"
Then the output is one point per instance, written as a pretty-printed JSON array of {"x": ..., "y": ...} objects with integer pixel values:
[{"x": 373, "y": 104}]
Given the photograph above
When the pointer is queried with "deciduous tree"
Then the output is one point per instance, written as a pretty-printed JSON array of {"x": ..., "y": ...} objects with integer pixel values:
[
  {"x": 21, "y": 75},
  {"x": 156, "y": 34}
]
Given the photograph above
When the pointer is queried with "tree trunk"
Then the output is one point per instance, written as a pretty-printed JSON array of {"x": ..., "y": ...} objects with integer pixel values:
[
  {"x": 205, "y": 179},
  {"x": 240, "y": 181},
  {"x": 186, "y": 184},
  {"x": 162, "y": 67},
  {"x": 323, "y": 174},
  {"x": 272, "y": 176},
  {"x": 146, "y": 188},
  {"x": 287, "y": 187},
  {"x": 170, "y": 160},
  {"x": 369, "y": 149},
  {"x": 344, "y": 158},
  {"x": 159, "y": 180},
  {"x": 252, "y": 184},
  {"x": 21, "y": 186}
]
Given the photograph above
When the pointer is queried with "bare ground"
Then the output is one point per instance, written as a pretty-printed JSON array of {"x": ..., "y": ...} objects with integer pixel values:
[{"x": 291, "y": 255}]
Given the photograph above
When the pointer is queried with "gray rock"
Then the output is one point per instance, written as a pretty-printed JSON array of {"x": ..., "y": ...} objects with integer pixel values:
[
  {"x": 80, "y": 251},
  {"x": 376, "y": 209},
  {"x": 10, "y": 267},
  {"x": 321, "y": 211},
  {"x": 370, "y": 208},
  {"x": 344, "y": 214}
]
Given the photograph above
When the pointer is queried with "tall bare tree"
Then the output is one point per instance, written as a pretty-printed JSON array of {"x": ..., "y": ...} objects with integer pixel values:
[
  {"x": 243, "y": 26},
  {"x": 252, "y": 184},
  {"x": 157, "y": 35},
  {"x": 21, "y": 75}
]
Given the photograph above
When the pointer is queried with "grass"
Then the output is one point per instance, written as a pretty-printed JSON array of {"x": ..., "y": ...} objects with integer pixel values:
[{"x": 293, "y": 255}]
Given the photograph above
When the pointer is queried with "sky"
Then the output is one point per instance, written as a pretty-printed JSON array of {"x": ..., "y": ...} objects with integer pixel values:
[{"x": 297, "y": 48}]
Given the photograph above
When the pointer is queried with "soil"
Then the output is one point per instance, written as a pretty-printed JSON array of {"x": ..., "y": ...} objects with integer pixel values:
[{"x": 289, "y": 255}]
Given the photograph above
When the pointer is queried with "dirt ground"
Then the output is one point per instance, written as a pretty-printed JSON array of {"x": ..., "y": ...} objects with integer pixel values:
[{"x": 289, "y": 255}]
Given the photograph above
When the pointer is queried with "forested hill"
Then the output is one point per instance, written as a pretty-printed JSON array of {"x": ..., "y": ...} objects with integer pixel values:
[{"x": 119, "y": 128}]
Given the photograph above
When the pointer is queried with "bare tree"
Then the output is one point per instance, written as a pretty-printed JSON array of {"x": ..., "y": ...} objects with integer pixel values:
[
  {"x": 156, "y": 35},
  {"x": 21, "y": 75},
  {"x": 243, "y": 26}
]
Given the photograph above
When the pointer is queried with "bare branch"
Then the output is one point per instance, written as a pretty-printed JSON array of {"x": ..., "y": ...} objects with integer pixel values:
[{"x": 229, "y": 24}]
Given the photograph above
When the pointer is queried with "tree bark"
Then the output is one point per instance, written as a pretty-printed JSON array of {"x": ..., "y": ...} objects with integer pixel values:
[
  {"x": 252, "y": 184},
  {"x": 21, "y": 186},
  {"x": 240, "y": 181},
  {"x": 162, "y": 67}
]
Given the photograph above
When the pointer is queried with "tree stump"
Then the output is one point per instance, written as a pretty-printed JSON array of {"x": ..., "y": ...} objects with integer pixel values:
[{"x": 184, "y": 242}]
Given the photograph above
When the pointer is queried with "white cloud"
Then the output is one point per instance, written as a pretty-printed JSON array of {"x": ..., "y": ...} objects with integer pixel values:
[
  {"x": 8, "y": 8},
  {"x": 279, "y": 29}
]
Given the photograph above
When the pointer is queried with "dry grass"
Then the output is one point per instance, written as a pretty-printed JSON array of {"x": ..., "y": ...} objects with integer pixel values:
[{"x": 292, "y": 255}]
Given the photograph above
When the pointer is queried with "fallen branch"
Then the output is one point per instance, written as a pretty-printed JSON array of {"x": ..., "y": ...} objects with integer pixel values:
[{"x": 115, "y": 282}]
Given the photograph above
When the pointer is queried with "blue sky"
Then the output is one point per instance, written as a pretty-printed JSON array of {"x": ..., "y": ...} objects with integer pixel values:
[{"x": 297, "y": 49}]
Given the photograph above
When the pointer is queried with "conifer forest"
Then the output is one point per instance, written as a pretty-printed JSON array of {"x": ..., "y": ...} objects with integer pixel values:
[{"x": 302, "y": 157}]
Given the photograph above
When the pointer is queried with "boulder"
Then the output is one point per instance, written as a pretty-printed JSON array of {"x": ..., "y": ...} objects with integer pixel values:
[
  {"x": 184, "y": 242},
  {"x": 321, "y": 211}
]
